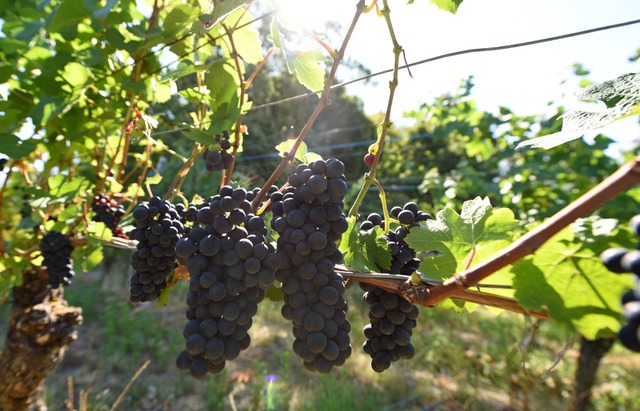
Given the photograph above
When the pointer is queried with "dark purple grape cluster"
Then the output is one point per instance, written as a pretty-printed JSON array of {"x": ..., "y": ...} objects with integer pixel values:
[
  {"x": 108, "y": 212},
  {"x": 309, "y": 220},
  {"x": 56, "y": 251},
  {"x": 622, "y": 260},
  {"x": 230, "y": 267},
  {"x": 219, "y": 158},
  {"x": 392, "y": 318},
  {"x": 158, "y": 229}
]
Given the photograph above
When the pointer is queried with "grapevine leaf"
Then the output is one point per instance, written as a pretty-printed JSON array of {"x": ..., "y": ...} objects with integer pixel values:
[
  {"x": 102, "y": 12},
  {"x": 365, "y": 251},
  {"x": 274, "y": 294},
  {"x": 477, "y": 233},
  {"x": 98, "y": 232},
  {"x": 285, "y": 147},
  {"x": 61, "y": 189},
  {"x": 621, "y": 98},
  {"x": 202, "y": 137},
  {"x": 306, "y": 65},
  {"x": 224, "y": 8},
  {"x": 69, "y": 13},
  {"x": 14, "y": 147},
  {"x": 86, "y": 259},
  {"x": 447, "y": 5},
  {"x": 245, "y": 37},
  {"x": 567, "y": 277}
]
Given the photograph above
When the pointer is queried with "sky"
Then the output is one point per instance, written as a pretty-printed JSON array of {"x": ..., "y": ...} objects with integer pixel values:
[{"x": 524, "y": 79}]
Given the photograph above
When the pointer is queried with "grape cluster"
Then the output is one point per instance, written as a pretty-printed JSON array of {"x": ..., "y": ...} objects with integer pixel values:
[
  {"x": 622, "y": 260},
  {"x": 219, "y": 158},
  {"x": 158, "y": 229},
  {"x": 230, "y": 267},
  {"x": 108, "y": 212},
  {"x": 309, "y": 219},
  {"x": 56, "y": 251},
  {"x": 392, "y": 318}
]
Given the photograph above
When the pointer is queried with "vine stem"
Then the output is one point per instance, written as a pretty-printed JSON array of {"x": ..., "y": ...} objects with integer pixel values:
[
  {"x": 236, "y": 140},
  {"x": 324, "y": 102},
  {"x": 370, "y": 177},
  {"x": 621, "y": 180}
]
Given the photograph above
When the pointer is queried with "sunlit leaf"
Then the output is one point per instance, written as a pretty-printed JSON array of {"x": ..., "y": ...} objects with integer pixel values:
[
  {"x": 69, "y": 13},
  {"x": 621, "y": 98},
  {"x": 365, "y": 251},
  {"x": 566, "y": 277}
]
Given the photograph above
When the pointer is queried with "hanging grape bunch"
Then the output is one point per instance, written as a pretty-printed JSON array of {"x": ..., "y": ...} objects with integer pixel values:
[
  {"x": 308, "y": 216},
  {"x": 230, "y": 266},
  {"x": 392, "y": 318},
  {"x": 622, "y": 260},
  {"x": 108, "y": 212},
  {"x": 217, "y": 157},
  {"x": 56, "y": 251},
  {"x": 158, "y": 229}
]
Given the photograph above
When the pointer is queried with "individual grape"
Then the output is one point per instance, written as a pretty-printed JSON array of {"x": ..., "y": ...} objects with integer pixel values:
[
  {"x": 612, "y": 259},
  {"x": 368, "y": 159},
  {"x": 628, "y": 336},
  {"x": 630, "y": 262},
  {"x": 56, "y": 251}
]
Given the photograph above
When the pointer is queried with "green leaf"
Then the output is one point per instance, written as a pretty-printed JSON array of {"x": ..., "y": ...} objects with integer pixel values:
[
  {"x": 246, "y": 38},
  {"x": 61, "y": 189},
  {"x": 274, "y": 294},
  {"x": 567, "y": 277},
  {"x": 14, "y": 147},
  {"x": 365, "y": 251},
  {"x": 179, "y": 19},
  {"x": 306, "y": 65},
  {"x": 464, "y": 239},
  {"x": 447, "y": 5},
  {"x": 98, "y": 233},
  {"x": 621, "y": 97},
  {"x": 286, "y": 146},
  {"x": 202, "y": 137},
  {"x": 223, "y": 9},
  {"x": 103, "y": 12},
  {"x": 75, "y": 74},
  {"x": 69, "y": 13},
  {"x": 86, "y": 259}
]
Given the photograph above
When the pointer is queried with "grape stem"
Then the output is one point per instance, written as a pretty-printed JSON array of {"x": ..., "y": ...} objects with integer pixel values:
[
  {"x": 324, "y": 102},
  {"x": 383, "y": 128},
  {"x": 620, "y": 181}
]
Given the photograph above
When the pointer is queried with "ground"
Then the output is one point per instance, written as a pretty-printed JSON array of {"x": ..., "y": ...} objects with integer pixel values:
[{"x": 464, "y": 362}]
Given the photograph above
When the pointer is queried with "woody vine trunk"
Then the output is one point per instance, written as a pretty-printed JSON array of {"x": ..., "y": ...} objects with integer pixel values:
[{"x": 41, "y": 326}]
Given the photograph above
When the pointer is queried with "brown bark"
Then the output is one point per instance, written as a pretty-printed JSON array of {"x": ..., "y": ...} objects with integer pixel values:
[{"x": 41, "y": 325}]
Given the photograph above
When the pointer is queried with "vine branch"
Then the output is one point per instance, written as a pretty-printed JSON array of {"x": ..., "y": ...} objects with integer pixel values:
[
  {"x": 624, "y": 178},
  {"x": 324, "y": 102}
]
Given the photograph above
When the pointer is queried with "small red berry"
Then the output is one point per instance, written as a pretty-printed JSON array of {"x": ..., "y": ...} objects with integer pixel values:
[{"x": 368, "y": 159}]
